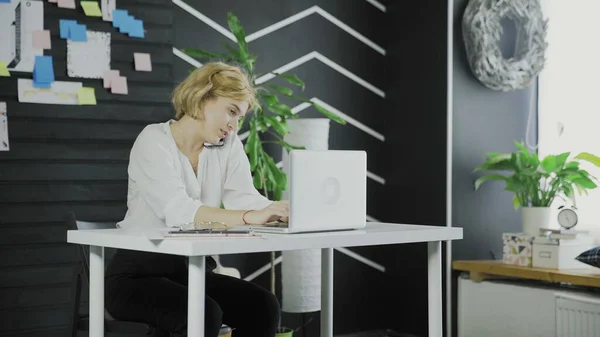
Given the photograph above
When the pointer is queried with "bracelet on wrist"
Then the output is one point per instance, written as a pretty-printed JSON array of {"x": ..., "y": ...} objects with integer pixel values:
[{"x": 244, "y": 215}]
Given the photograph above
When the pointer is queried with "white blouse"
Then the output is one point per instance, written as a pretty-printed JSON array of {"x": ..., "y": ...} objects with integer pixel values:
[{"x": 164, "y": 191}]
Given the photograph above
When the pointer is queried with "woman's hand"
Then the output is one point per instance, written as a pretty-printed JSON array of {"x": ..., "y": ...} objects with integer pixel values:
[{"x": 276, "y": 211}]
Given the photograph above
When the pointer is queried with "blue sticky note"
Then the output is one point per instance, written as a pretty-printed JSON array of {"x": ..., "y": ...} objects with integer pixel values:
[
  {"x": 136, "y": 28},
  {"x": 65, "y": 26},
  {"x": 118, "y": 17},
  {"x": 126, "y": 24},
  {"x": 43, "y": 71},
  {"x": 4, "y": 1},
  {"x": 78, "y": 32}
]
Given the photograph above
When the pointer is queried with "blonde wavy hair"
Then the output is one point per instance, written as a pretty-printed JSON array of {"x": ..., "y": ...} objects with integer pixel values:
[{"x": 212, "y": 80}]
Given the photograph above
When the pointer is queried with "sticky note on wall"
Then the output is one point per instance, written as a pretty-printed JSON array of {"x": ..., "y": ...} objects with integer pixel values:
[
  {"x": 91, "y": 8},
  {"x": 86, "y": 96}
]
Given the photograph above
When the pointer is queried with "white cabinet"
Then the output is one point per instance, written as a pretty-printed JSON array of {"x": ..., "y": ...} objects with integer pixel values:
[{"x": 525, "y": 309}]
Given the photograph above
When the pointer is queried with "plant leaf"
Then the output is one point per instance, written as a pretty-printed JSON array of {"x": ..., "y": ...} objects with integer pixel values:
[
  {"x": 516, "y": 201},
  {"x": 238, "y": 31},
  {"x": 549, "y": 163},
  {"x": 561, "y": 159},
  {"x": 328, "y": 113},
  {"x": 281, "y": 110},
  {"x": 292, "y": 79},
  {"x": 281, "y": 128},
  {"x": 252, "y": 146},
  {"x": 269, "y": 98},
  {"x": 585, "y": 182},
  {"x": 593, "y": 159},
  {"x": 488, "y": 177},
  {"x": 283, "y": 90}
]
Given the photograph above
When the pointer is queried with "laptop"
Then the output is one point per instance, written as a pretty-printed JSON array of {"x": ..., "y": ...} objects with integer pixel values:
[{"x": 327, "y": 192}]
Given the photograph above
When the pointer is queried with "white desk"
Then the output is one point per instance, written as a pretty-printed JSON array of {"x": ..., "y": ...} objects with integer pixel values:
[{"x": 196, "y": 249}]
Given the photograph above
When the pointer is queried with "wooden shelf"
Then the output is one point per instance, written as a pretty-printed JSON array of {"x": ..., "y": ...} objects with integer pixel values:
[{"x": 480, "y": 270}]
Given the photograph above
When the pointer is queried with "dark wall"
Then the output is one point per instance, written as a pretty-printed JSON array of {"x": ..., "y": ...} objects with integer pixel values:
[
  {"x": 71, "y": 158},
  {"x": 410, "y": 73},
  {"x": 74, "y": 158},
  {"x": 484, "y": 121}
]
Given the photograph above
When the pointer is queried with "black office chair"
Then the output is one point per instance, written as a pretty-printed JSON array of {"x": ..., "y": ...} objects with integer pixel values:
[{"x": 111, "y": 325}]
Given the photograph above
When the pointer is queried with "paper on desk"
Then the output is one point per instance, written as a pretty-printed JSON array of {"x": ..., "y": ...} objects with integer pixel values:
[
  {"x": 4, "y": 145},
  {"x": 58, "y": 93},
  {"x": 89, "y": 59},
  {"x": 18, "y": 20}
]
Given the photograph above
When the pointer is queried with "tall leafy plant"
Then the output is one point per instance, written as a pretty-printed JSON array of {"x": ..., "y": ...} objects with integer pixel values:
[
  {"x": 537, "y": 182},
  {"x": 270, "y": 117}
]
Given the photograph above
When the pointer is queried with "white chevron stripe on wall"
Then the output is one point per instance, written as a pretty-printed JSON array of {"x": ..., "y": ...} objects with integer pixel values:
[
  {"x": 314, "y": 55},
  {"x": 318, "y": 56},
  {"x": 278, "y": 25},
  {"x": 301, "y": 106}
]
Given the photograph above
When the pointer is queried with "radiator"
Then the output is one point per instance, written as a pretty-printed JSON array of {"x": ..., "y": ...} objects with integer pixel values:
[{"x": 577, "y": 316}]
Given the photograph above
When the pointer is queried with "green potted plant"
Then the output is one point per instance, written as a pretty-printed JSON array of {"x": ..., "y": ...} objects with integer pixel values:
[
  {"x": 537, "y": 182},
  {"x": 269, "y": 118}
]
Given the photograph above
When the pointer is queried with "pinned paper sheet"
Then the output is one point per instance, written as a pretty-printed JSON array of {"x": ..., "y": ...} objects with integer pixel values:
[
  {"x": 108, "y": 6},
  {"x": 4, "y": 70},
  {"x": 118, "y": 85},
  {"x": 41, "y": 39},
  {"x": 109, "y": 75},
  {"x": 58, "y": 93},
  {"x": 43, "y": 72},
  {"x": 18, "y": 21},
  {"x": 89, "y": 59},
  {"x": 91, "y": 8},
  {"x": 142, "y": 61},
  {"x": 66, "y": 4},
  {"x": 4, "y": 145},
  {"x": 86, "y": 96}
]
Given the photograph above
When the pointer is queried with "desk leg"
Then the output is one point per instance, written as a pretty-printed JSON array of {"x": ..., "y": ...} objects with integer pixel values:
[
  {"x": 196, "y": 289},
  {"x": 434, "y": 252},
  {"x": 327, "y": 292},
  {"x": 96, "y": 291}
]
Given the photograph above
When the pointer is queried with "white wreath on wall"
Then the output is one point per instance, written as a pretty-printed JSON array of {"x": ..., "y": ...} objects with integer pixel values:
[{"x": 482, "y": 30}]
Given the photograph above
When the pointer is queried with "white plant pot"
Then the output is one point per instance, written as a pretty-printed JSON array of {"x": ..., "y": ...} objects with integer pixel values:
[
  {"x": 534, "y": 218},
  {"x": 301, "y": 269}
]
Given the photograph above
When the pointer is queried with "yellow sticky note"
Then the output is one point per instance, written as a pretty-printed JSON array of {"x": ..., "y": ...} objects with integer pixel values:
[
  {"x": 86, "y": 96},
  {"x": 4, "y": 70},
  {"x": 91, "y": 8}
]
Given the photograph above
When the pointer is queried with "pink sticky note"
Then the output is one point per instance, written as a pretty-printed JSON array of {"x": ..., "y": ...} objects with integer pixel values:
[
  {"x": 118, "y": 85},
  {"x": 142, "y": 62},
  {"x": 41, "y": 39},
  {"x": 66, "y": 4},
  {"x": 109, "y": 76}
]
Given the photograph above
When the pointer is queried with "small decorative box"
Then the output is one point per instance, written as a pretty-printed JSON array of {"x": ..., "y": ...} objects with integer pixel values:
[{"x": 518, "y": 249}]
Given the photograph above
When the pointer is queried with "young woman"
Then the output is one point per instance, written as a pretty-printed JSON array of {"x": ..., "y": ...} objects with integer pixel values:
[{"x": 180, "y": 172}]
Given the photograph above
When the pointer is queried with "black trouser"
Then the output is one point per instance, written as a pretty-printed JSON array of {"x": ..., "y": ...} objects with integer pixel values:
[{"x": 152, "y": 288}]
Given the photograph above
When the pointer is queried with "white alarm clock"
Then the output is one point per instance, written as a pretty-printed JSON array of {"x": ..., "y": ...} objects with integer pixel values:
[{"x": 567, "y": 217}]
